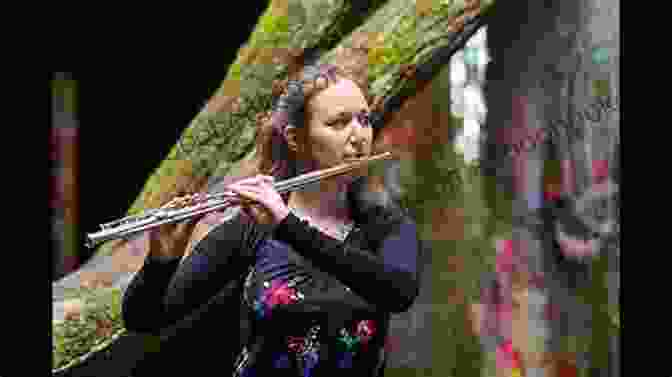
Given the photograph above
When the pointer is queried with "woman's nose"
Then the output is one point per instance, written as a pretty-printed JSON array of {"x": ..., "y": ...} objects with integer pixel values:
[
  {"x": 358, "y": 139},
  {"x": 358, "y": 130}
]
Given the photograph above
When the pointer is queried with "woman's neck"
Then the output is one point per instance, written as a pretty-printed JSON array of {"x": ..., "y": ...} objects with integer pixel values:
[{"x": 325, "y": 200}]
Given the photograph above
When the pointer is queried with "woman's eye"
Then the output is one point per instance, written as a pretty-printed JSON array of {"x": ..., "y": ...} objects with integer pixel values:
[{"x": 341, "y": 122}]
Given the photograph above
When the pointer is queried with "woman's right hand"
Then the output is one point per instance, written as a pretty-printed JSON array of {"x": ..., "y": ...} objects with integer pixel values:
[{"x": 259, "y": 198}]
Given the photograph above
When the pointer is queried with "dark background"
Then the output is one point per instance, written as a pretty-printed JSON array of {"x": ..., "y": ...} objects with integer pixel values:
[{"x": 138, "y": 88}]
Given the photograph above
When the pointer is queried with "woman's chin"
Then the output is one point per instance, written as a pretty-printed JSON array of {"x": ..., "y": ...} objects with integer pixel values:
[{"x": 348, "y": 178}]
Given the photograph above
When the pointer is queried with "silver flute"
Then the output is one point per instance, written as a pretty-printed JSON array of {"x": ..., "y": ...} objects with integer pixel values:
[{"x": 190, "y": 206}]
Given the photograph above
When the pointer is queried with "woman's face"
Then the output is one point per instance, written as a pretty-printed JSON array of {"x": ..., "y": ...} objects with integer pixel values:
[{"x": 337, "y": 125}]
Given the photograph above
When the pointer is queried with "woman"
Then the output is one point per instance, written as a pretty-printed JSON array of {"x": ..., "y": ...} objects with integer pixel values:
[{"x": 325, "y": 267}]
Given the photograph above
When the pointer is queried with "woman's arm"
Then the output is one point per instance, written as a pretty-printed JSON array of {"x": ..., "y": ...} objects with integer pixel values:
[
  {"x": 387, "y": 279},
  {"x": 141, "y": 306},
  {"x": 165, "y": 291}
]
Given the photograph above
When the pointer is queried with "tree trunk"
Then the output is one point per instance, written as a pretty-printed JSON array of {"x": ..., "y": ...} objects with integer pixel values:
[
  {"x": 555, "y": 68},
  {"x": 221, "y": 137}
]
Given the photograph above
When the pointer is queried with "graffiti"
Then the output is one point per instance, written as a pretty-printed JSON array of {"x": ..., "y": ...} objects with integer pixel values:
[{"x": 595, "y": 112}]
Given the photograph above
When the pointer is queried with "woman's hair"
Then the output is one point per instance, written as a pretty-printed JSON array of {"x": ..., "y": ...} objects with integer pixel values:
[{"x": 273, "y": 154}]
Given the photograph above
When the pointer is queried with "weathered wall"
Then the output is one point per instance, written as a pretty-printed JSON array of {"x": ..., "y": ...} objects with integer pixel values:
[{"x": 548, "y": 73}]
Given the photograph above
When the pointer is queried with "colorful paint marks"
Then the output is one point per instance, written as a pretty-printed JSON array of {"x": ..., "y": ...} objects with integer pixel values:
[
  {"x": 600, "y": 55},
  {"x": 520, "y": 139},
  {"x": 64, "y": 186},
  {"x": 471, "y": 56},
  {"x": 601, "y": 88}
]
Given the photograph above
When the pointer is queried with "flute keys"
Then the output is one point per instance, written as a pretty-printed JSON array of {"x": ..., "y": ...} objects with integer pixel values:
[{"x": 183, "y": 201}]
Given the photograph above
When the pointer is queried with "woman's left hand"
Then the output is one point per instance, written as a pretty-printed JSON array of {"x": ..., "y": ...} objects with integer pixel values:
[{"x": 260, "y": 199}]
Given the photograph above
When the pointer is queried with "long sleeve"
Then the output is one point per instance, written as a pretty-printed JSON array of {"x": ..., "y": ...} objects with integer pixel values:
[
  {"x": 162, "y": 293},
  {"x": 142, "y": 302},
  {"x": 387, "y": 279}
]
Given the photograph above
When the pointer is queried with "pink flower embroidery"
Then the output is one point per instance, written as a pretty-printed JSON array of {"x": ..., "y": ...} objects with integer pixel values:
[
  {"x": 280, "y": 294},
  {"x": 296, "y": 343},
  {"x": 365, "y": 330}
]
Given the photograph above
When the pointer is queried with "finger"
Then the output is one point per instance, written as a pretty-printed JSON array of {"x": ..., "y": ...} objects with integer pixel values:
[
  {"x": 246, "y": 193},
  {"x": 240, "y": 199},
  {"x": 241, "y": 194},
  {"x": 264, "y": 187},
  {"x": 260, "y": 213},
  {"x": 257, "y": 179},
  {"x": 270, "y": 181},
  {"x": 248, "y": 190},
  {"x": 239, "y": 184},
  {"x": 256, "y": 183},
  {"x": 251, "y": 180},
  {"x": 229, "y": 193},
  {"x": 254, "y": 209}
]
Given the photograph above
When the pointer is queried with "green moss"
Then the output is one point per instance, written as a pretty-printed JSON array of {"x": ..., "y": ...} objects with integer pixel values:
[
  {"x": 74, "y": 339},
  {"x": 400, "y": 46}
]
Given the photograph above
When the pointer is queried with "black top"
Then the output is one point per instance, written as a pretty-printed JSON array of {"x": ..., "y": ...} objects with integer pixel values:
[{"x": 316, "y": 303}]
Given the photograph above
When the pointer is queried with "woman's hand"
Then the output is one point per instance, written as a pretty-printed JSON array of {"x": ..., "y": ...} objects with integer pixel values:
[
  {"x": 169, "y": 241},
  {"x": 259, "y": 199}
]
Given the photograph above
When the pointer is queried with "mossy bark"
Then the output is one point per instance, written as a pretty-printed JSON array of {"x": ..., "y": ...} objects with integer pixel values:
[{"x": 222, "y": 133}]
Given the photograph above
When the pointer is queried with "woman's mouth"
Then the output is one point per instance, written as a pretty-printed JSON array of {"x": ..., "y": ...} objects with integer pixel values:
[{"x": 353, "y": 157}]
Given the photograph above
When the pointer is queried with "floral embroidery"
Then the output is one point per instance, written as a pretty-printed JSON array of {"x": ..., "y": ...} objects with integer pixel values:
[
  {"x": 274, "y": 294},
  {"x": 349, "y": 341},
  {"x": 359, "y": 338},
  {"x": 365, "y": 330},
  {"x": 296, "y": 344},
  {"x": 306, "y": 348}
]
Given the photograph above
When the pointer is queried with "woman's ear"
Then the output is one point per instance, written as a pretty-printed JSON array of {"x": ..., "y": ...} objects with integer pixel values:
[{"x": 291, "y": 137}]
